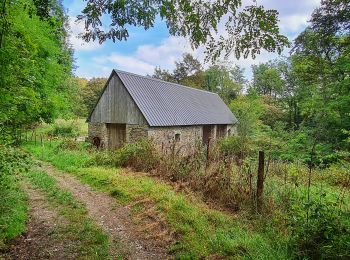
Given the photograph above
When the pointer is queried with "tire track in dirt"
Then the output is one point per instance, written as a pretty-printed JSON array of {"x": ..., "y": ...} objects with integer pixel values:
[
  {"x": 114, "y": 218},
  {"x": 41, "y": 240}
]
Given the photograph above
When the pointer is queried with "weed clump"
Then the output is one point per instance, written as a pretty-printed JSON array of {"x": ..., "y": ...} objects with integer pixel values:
[
  {"x": 140, "y": 156},
  {"x": 318, "y": 231}
]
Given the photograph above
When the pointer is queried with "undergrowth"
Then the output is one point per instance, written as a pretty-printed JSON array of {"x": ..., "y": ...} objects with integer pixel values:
[
  {"x": 13, "y": 205},
  {"x": 296, "y": 216},
  {"x": 198, "y": 230}
]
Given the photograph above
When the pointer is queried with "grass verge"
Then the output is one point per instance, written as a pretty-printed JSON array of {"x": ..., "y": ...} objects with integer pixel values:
[
  {"x": 199, "y": 230},
  {"x": 89, "y": 240},
  {"x": 13, "y": 201}
]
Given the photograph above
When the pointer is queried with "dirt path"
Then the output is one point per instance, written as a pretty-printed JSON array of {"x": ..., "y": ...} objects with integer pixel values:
[
  {"x": 41, "y": 240},
  {"x": 114, "y": 219}
]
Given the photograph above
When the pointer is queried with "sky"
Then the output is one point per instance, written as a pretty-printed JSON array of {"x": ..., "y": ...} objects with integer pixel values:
[{"x": 145, "y": 50}]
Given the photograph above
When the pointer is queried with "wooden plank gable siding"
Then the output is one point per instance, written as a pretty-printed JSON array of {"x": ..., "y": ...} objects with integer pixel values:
[{"x": 117, "y": 106}]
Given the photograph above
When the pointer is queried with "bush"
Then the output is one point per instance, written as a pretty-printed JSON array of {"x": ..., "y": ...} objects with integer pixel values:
[
  {"x": 338, "y": 174},
  {"x": 140, "y": 156},
  {"x": 104, "y": 158},
  {"x": 236, "y": 147},
  {"x": 323, "y": 234}
]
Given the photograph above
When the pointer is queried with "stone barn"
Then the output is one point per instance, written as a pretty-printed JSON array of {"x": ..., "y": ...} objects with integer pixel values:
[{"x": 132, "y": 107}]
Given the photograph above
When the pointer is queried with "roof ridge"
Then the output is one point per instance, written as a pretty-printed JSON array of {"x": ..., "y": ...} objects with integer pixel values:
[{"x": 155, "y": 79}]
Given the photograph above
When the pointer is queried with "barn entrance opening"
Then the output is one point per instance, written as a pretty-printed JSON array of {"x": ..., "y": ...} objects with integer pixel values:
[
  {"x": 221, "y": 131},
  {"x": 207, "y": 133},
  {"x": 116, "y": 135}
]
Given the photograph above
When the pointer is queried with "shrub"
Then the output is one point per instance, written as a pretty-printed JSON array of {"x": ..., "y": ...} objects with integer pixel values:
[
  {"x": 140, "y": 156},
  {"x": 319, "y": 231},
  {"x": 338, "y": 174},
  {"x": 69, "y": 145},
  {"x": 235, "y": 147},
  {"x": 104, "y": 158}
]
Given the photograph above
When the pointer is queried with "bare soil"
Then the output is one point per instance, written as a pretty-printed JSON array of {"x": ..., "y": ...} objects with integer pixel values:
[{"x": 116, "y": 219}]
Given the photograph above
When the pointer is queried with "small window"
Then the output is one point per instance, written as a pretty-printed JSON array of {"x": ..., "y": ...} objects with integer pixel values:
[
  {"x": 177, "y": 137},
  {"x": 229, "y": 132}
]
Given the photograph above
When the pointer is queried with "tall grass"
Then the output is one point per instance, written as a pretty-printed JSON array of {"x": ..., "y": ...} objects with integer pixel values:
[
  {"x": 197, "y": 230},
  {"x": 291, "y": 214},
  {"x": 13, "y": 205}
]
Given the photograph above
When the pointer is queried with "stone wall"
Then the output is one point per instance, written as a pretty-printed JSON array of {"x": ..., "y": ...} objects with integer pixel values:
[
  {"x": 163, "y": 137},
  {"x": 135, "y": 133},
  {"x": 98, "y": 130},
  {"x": 165, "y": 141},
  {"x": 232, "y": 130}
]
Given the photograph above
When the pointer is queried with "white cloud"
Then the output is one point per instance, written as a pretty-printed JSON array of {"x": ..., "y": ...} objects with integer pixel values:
[
  {"x": 293, "y": 23},
  {"x": 128, "y": 63},
  {"x": 75, "y": 29},
  {"x": 167, "y": 52},
  {"x": 294, "y": 15},
  {"x": 149, "y": 56}
]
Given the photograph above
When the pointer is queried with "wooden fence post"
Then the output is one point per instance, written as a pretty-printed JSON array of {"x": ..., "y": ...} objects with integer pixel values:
[
  {"x": 260, "y": 181},
  {"x": 208, "y": 151}
]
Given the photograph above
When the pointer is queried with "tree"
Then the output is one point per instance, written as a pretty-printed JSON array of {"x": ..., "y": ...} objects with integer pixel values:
[
  {"x": 267, "y": 80},
  {"x": 187, "y": 72},
  {"x": 35, "y": 64},
  {"x": 321, "y": 55},
  {"x": 163, "y": 75},
  {"x": 250, "y": 28},
  {"x": 187, "y": 67},
  {"x": 76, "y": 98},
  {"x": 225, "y": 79},
  {"x": 92, "y": 91}
]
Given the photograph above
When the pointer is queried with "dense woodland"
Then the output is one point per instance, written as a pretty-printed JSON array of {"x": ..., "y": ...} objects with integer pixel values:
[{"x": 295, "y": 108}]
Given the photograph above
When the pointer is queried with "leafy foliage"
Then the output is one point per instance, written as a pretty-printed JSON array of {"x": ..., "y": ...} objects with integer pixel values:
[
  {"x": 249, "y": 30},
  {"x": 322, "y": 233},
  {"x": 223, "y": 78},
  {"x": 64, "y": 130},
  {"x": 35, "y": 63},
  {"x": 141, "y": 156}
]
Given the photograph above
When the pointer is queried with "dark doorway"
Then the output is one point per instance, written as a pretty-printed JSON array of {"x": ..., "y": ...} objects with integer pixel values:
[
  {"x": 207, "y": 133},
  {"x": 116, "y": 135},
  {"x": 221, "y": 131}
]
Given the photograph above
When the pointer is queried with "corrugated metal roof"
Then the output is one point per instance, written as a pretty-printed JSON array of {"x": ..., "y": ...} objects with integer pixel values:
[{"x": 166, "y": 104}]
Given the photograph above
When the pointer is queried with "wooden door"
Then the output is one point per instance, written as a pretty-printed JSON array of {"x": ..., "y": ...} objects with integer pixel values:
[
  {"x": 221, "y": 131},
  {"x": 207, "y": 133},
  {"x": 116, "y": 135}
]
